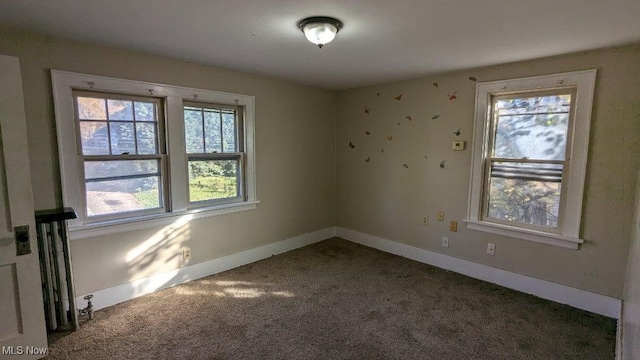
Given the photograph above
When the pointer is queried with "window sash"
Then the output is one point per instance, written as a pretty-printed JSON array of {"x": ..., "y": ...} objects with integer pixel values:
[
  {"x": 238, "y": 112},
  {"x": 158, "y": 155},
  {"x": 539, "y": 174},
  {"x": 240, "y": 178}
]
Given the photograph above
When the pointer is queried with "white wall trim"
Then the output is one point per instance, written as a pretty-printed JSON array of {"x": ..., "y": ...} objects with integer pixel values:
[
  {"x": 581, "y": 299},
  {"x": 130, "y": 290}
]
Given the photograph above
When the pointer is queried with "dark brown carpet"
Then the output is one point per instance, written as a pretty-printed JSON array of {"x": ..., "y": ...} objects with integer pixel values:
[{"x": 338, "y": 300}]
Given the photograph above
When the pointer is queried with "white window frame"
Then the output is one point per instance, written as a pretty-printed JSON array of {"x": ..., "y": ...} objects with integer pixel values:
[
  {"x": 222, "y": 155},
  {"x": 64, "y": 83},
  {"x": 568, "y": 232}
]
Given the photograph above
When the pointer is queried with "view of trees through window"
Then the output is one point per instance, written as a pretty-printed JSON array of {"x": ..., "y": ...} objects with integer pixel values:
[
  {"x": 119, "y": 143},
  {"x": 525, "y": 166},
  {"x": 214, "y": 152}
]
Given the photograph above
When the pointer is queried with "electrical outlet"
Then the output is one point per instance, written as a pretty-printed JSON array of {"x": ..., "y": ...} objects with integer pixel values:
[
  {"x": 491, "y": 249},
  {"x": 186, "y": 254},
  {"x": 445, "y": 241},
  {"x": 453, "y": 226},
  {"x": 425, "y": 220},
  {"x": 440, "y": 215}
]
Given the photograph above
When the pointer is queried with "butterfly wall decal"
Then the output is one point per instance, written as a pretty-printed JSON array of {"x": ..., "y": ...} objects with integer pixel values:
[
  {"x": 398, "y": 124},
  {"x": 434, "y": 117},
  {"x": 382, "y": 150},
  {"x": 367, "y": 110},
  {"x": 453, "y": 96},
  {"x": 457, "y": 132},
  {"x": 405, "y": 165},
  {"x": 398, "y": 97},
  {"x": 368, "y": 132},
  {"x": 390, "y": 137},
  {"x": 442, "y": 164},
  {"x": 473, "y": 78},
  {"x": 351, "y": 145},
  {"x": 409, "y": 118},
  {"x": 435, "y": 84},
  {"x": 378, "y": 94},
  {"x": 368, "y": 159}
]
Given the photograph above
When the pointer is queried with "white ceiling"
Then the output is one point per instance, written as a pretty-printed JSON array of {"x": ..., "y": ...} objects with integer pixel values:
[{"x": 382, "y": 40}]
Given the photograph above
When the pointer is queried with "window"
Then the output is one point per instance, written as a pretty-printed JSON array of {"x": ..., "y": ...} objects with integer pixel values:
[
  {"x": 122, "y": 154},
  {"x": 215, "y": 152},
  {"x": 529, "y": 157},
  {"x": 136, "y": 154}
]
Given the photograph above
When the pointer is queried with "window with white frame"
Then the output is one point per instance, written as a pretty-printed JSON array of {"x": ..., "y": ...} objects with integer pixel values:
[
  {"x": 215, "y": 152},
  {"x": 529, "y": 157},
  {"x": 121, "y": 144},
  {"x": 137, "y": 154}
]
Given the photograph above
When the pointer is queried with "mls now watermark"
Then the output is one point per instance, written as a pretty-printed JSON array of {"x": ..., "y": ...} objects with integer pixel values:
[{"x": 24, "y": 350}]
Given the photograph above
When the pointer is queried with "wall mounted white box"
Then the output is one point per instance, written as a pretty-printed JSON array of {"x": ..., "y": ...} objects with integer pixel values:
[{"x": 457, "y": 145}]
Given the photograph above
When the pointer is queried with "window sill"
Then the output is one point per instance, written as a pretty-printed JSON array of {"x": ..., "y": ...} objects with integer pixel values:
[
  {"x": 124, "y": 225},
  {"x": 564, "y": 241}
]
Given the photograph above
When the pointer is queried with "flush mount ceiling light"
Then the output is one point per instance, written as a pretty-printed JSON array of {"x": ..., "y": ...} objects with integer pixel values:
[{"x": 320, "y": 30}]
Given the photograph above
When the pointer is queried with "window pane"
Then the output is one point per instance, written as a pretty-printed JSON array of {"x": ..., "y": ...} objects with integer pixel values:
[
  {"x": 94, "y": 137},
  {"x": 213, "y": 179},
  {"x": 116, "y": 196},
  {"x": 212, "y": 130},
  {"x": 524, "y": 201},
  {"x": 146, "y": 136},
  {"x": 144, "y": 111},
  {"x": 91, "y": 109},
  {"x": 229, "y": 131},
  {"x": 120, "y": 110},
  {"x": 532, "y": 128},
  {"x": 122, "y": 138},
  {"x": 193, "y": 131},
  {"x": 112, "y": 168},
  {"x": 535, "y": 105}
]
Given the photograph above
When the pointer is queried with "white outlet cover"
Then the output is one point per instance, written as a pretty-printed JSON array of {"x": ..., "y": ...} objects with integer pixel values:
[{"x": 445, "y": 241}]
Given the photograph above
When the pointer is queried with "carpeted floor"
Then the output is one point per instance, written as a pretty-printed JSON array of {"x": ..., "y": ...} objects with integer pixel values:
[{"x": 338, "y": 300}]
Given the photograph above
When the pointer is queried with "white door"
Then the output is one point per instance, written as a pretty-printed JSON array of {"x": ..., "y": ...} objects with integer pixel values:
[{"x": 22, "y": 325}]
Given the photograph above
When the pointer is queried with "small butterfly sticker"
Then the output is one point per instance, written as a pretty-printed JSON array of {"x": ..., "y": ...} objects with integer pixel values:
[
  {"x": 425, "y": 157},
  {"x": 453, "y": 96},
  {"x": 368, "y": 159},
  {"x": 398, "y": 97},
  {"x": 382, "y": 150},
  {"x": 442, "y": 164},
  {"x": 367, "y": 110},
  {"x": 390, "y": 137},
  {"x": 435, "y": 84},
  {"x": 368, "y": 132},
  {"x": 378, "y": 93},
  {"x": 409, "y": 118},
  {"x": 457, "y": 132},
  {"x": 473, "y": 78},
  {"x": 398, "y": 124},
  {"x": 434, "y": 117},
  {"x": 351, "y": 145},
  {"x": 405, "y": 165}
]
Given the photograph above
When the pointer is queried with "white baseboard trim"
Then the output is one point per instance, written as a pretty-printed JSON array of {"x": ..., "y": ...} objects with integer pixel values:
[
  {"x": 127, "y": 291},
  {"x": 581, "y": 299}
]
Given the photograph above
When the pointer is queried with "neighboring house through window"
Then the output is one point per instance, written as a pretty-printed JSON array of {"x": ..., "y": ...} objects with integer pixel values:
[{"x": 529, "y": 157}]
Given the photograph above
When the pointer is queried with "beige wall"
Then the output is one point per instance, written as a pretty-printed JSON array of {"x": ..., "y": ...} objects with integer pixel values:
[
  {"x": 383, "y": 198},
  {"x": 296, "y": 164},
  {"x": 295, "y": 133},
  {"x": 631, "y": 304}
]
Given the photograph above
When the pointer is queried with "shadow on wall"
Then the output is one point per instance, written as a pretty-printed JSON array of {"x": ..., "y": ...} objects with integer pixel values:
[{"x": 160, "y": 255}]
